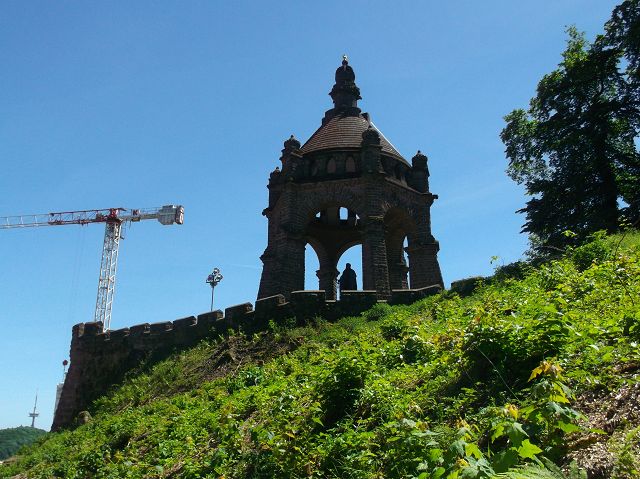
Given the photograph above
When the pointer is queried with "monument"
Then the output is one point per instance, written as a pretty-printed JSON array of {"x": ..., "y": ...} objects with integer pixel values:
[{"x": 348, "y": 165}]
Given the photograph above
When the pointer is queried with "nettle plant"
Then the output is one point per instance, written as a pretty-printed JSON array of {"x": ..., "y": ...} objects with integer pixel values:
[{"x": 515, "y": 436}]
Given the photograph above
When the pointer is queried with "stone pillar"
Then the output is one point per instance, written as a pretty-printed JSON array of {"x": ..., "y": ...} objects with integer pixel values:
[
  {"x": 283, "y": 268},
  {"x": 327, "y": 277},
  {"x": 397, "y": 265},
  {"x": 268, "y": 282},
  {"x": 291, "y": 271},
  {"x": 398, "y": 275},
  {"x": 424, "y": 269},
  {"x": 374, "y": 258},
  {"x": 423, "y": 264}
]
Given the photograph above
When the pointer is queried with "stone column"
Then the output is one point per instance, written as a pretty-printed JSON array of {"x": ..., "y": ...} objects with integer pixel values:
[
  {"x": 398, "y": 274},
  {"x": 423, "y": 264},
  {"x": 397, "y": 265},
  {"x": 374, "y": 258},
  {"x": 327, "y": 277},
  {"x": 291, "y": 259},
  {"x": 424, "y": 269},
  {"x": 283, "y": 268},
  {"x": 268, "y": 283}
]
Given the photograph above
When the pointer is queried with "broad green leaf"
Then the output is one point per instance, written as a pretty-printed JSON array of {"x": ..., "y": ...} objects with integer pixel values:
[
  {"x": 528, "y": 450},
  {"x": 516, "y": 433},
  {"x": 472, "y": 449},
  {"x": 568, "y": 428},
  {"x": 458, "y": 447}
]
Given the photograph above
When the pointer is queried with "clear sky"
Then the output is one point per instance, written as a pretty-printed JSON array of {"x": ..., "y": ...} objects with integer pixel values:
[{"x": 140, "y": 104}]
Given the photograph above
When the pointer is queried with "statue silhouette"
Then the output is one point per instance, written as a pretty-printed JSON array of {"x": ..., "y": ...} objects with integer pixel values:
[{"x": 348, "y": 280}]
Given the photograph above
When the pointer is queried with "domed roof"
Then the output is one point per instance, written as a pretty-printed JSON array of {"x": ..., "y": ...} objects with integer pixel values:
[
  {"x": 345, "y": 132},
  {"x": 343, "y": 125}
]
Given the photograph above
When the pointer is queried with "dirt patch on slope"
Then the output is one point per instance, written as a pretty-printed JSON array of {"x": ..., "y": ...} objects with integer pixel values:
[
  {"x": 616, "y": 413},
  {"x": 238, "y": 351}
]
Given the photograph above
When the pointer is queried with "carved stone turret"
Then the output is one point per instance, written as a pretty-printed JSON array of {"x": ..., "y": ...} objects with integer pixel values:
[{"x": 420, "y": 172}]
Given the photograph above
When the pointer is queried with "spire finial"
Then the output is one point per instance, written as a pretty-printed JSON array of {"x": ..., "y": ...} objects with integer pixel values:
[{"x": 345, "y": 93}]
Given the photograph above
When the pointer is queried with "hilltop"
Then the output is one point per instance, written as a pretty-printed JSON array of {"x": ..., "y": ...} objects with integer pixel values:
[
  {"x": 532, "y": 374},
  {"x": 11, "y": 439}
]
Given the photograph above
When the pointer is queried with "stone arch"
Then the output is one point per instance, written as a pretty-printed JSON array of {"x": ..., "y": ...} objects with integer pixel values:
[
  {"x": 313, "y": 200},
  {"x": 319, "y": 250},
  {"x": 346, "y": 247},
  {"x": 327, "y": 233},
  {"x": 324, "y": 263},
  {"x": 396, "y": 217}
]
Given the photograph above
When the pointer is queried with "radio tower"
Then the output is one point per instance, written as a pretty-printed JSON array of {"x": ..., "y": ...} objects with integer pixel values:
[{"x": 33, "y": 415}]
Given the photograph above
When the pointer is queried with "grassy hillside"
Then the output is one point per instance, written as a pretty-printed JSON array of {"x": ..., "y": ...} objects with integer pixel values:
[
  {"x": 13, "y": 438},
  {"x": 447, "y": 387}
]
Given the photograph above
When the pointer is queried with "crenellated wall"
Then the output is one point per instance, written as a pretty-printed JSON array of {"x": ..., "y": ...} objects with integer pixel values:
[{"x": 100, "y": 359}]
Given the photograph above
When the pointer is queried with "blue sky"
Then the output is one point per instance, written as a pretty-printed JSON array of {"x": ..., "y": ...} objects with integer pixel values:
[{"x": 140, "y": 104}]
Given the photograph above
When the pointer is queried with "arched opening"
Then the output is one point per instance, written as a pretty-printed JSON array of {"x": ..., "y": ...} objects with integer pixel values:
[
  {"x": 331, "y": 230},
  {"x": 350, "y": 165},
  {"x": 353, "y": 256},
  {"x": 311, "y": 267}
]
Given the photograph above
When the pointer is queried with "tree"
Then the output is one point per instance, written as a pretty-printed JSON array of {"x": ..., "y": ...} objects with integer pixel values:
[
  {"x": 574, "y": 148},
  {"x": 11, "y": 440},
  {"x": 623, "y": 34}
]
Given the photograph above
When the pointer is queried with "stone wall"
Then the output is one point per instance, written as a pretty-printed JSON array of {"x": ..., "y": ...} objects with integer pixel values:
[{"x": 100, "y": 359}]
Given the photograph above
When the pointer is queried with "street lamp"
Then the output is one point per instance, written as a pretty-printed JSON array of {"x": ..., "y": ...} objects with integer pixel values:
[{"x": 213, "y": 279}]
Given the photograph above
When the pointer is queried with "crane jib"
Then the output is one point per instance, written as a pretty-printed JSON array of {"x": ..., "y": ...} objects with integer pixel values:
[{"x": 113, "y": 219}]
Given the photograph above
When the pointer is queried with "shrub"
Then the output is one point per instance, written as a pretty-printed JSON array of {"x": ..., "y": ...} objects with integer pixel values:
[
  {"x": 595, "y": 250},
  {"x": 341, "y": 388},
  {"x": 378, "y": 312}
]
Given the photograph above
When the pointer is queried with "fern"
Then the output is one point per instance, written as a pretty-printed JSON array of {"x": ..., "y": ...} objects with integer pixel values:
[{"x": 549, "y": 471}]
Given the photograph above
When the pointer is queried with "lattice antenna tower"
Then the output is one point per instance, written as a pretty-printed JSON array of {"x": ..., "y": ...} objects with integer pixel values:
[{"x": 33, "y": 415}]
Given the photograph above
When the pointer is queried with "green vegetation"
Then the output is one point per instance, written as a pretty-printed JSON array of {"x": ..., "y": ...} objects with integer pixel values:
[
  {"x": 13, "y": 438},
  {"x": 489, "y": 385},
  {"x": 575, "y": 147}
]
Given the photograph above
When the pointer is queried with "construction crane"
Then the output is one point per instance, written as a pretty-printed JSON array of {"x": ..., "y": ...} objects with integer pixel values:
[{"x": 114, "y": 219}]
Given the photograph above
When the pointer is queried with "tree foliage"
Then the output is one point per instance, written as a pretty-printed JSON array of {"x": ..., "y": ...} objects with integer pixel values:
[
  {"x": 12, "y": 439},
  {"x": 574, "y": 149}
]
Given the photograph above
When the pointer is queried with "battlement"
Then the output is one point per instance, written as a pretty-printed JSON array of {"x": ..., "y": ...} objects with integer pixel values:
[{"x": 99, "y": 359}]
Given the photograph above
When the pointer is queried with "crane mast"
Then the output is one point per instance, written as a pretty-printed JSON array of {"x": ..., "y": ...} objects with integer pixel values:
[
  {"x": 108, "y": 268},
  {"x": 114, "y": 219}
]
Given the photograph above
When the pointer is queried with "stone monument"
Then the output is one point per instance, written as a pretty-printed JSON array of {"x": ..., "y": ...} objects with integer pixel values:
[{"x": 348, "y": 165}]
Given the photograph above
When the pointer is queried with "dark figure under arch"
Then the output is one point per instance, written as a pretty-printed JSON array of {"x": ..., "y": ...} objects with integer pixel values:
[{"x": 348, "y": 281}]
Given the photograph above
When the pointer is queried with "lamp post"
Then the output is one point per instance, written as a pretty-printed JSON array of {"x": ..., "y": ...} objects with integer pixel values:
[{"x": 213, "y": 279}]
